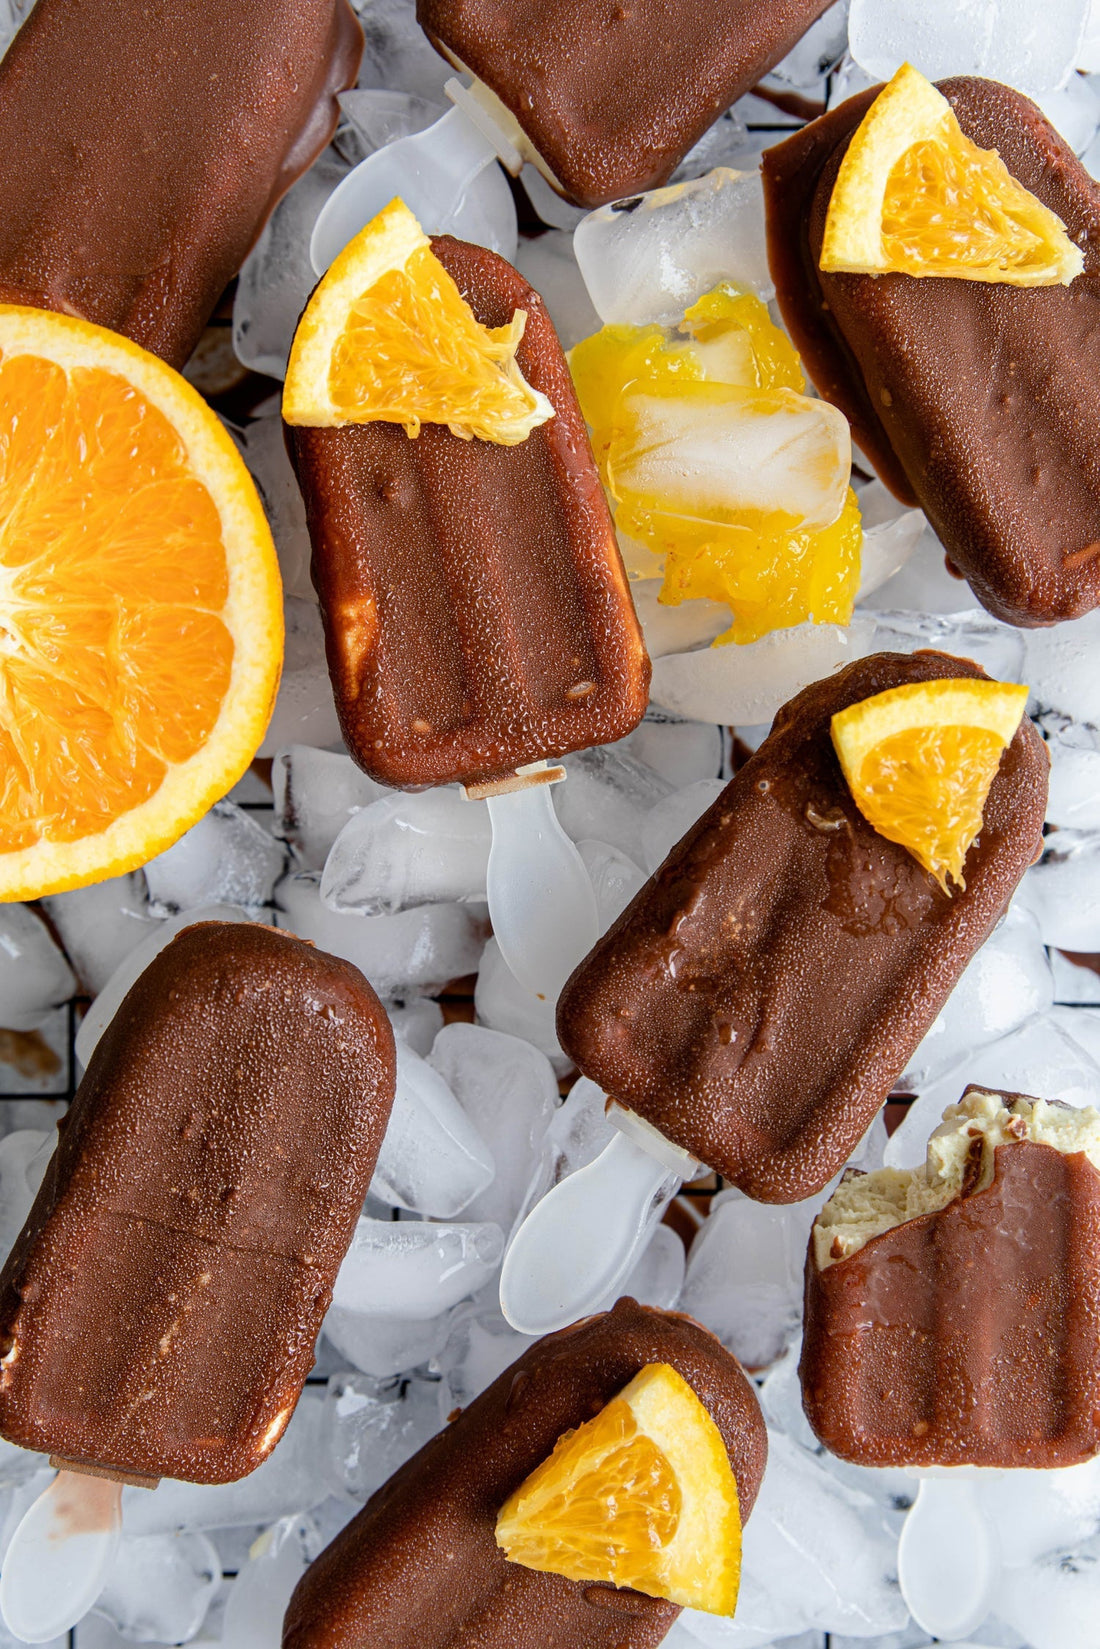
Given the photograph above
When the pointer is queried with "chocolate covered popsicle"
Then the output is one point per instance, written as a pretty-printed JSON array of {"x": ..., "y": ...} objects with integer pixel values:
[
  {"x": 953, "y": 1311},
  {"x": 159, "y": 1309},
  {"x": 420, "y": 1567},
  {"x": 975, "y": 400},
  {"x": 607, "y": 98},
  {"x": 757, "y": 1000},
  {"x": 143, "y": 147},
  {"x": 477, "y": 615}
]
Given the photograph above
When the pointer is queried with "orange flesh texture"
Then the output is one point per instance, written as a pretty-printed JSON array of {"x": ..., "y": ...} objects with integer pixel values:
[
  {"x": 619, "y": 1506},
  {"x": 925, "y": 788},
  {"x": 936, "y": 211},
  {"x": 114, "y": 659}
]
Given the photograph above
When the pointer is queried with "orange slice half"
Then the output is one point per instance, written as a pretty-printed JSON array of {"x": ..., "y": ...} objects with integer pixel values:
[
  {"x": 919, "y": 761},
  {"x": 641, "y": 1496},
  {"x": 915, "y": 196},
  {"x": 388, "y": 336},
  {"x": 140, "y": 606}
]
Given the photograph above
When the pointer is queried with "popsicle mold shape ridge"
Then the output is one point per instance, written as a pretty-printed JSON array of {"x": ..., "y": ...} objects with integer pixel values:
[
  {"x": 953, "y": 1310},
  {"x": 761, "y": 994},
  {"x": 419, "y": 1567},
  {"x": 142, "y": 150},
  {"x": 994, "y": 435},
  {"x": 205, "y": 1186},
  {"x": 607, "y": 101}
]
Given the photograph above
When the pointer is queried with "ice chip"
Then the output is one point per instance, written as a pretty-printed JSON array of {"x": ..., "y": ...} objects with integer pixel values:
[
  {"x": 923, "y": 583},
  {"x": 818, "y": 51},
  {"x": 508, "y": 1090},
  {"x": 1055, "y": 1602},
  {"x": 396, "y": 53},
  {"x": 1060, "y": 666},
  {"x": 615, "y": 879},
  {"x": 257, "y": 1601},
  {"x": 648, "y": 258},
  {"x": 709, "y": 451},
  {"x": 479, "y": 1346},
  {"x": 433, "y": 1159},
  {"x": 414, "y": 1269},
  {"x": 577, "y": 1133},
  {"x": 227, "y": 858},
  {"x": 1008, "y": 40},
  {"x": 372, "y": 1428},
  {"x": 606, "y": 797},
  {"x": 34, "y": 975},
  {"x": 680, "y": 751},
  {"x": 1063, "y": 890},
  {"x": 418, "y": 1023},
  {"x": 161, "y": 1586},
  {"x": 316, "y": 793},
  {"x": 99, "y": 925},
  {"x": 657, "y": 1275},
  {"x": 743, "y": 684},
  {"x": 1073, "y": 801},
  {"x": 409, "y": 849},
  {"x": 385, "y": 1346},
  {"x": 505, "y": 1005}
]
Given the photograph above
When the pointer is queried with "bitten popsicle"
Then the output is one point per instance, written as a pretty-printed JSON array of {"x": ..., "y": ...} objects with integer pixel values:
[
  {"x": 159, "y": 1309},
  {"x": 606, "y": 99},
  {"x": 420, "y": 1568},
  {"x": 975, "y": 400},
  {"x": 143, "y": 147},
  {"x": 759, "y": 997}
]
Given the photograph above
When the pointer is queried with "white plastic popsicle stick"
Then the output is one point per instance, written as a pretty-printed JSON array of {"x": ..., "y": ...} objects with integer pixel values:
[
  {"x": 541, "y": 901},
  {"x": 949, "y": 1566},
  {"x": 579, "y": 1242},
  {"x": 442, "y": 174},
  {"x": 60, "y": 1556}
]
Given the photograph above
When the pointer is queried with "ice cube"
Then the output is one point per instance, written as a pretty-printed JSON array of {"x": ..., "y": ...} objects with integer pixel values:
[
  {"x": 922, "y": 585},
  {"x": 1064, "y": 890},
  {"x": 161, "y": 1586},
  {"x": 277, "y": 277},
  {"x": 480, "y": 1346},
  {"x": 264, "y": 450},
  {"x": 676, "y": 629},
  {"x": 305, "y": 712},
  {"x": 24, "y": 1158},
  {"x": 316, "y": 793},
  {"x": 680, "y": 751},
  {"x": 286, "y": 1482},
  {"x": 649, "y": 257},
  {"x": 1055, "y": 1602},
  {"x": 1036, "y": 1513},
  {"x": 997, "y": 647},
  {"x": 726, "y": 143},
  {"x": 578, "y": 1131},
  {"x": 818, "y": 51},
  {"x": 745, "y": 1274},
  {"x": 414, "y": 1269},
  {"x": 433, "y": 1159},
  {"x": 615, "y": 879},
  {"x": 606, "y": 797},
  {"x": 817, "y": 1553},
  {"x": 504, "y": 1004},
  {"x": 846, "y": 80},
  {"x": 1074, "y": 111},
  {"x": 549, "y": 264},
  {"x": 1073, "y": 801},
  {"x": 158, "y": 934},
  {"x": 409, "y": 849},
  {"x": 1005, "y": 983},
  {"x": 1074, "y": 982},
  {"x": 710, "y": 451},
  {"x": 258, "y": 1597},
  {"x": 1060, "y": 668},
  {"x": 384, "y": 1346},
  {"x": 508, "y": 1090},
  {"x": 416, "y": 950},
  {"x": 890, "y": 536},
  {"x": 1007, "y": 40},
  {"x": 657, "y": 1276},
  {"x": 371, "y": 1428},
  {"x": 99, "y": 925},
  {"x": 749, "y": 683},
  {"x": 418, "y": 1024},
  {"x": 1040, "y": 1058},
  {"x": 34, "y": 975},
  {"x": 397, "y": 54},
  {"x": 670, "y": 820},
  {"x": 227, "y": 858}
]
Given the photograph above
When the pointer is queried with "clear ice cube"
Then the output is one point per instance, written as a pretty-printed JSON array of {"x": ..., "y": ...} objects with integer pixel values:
[
  {"x": 34, "y": 975},
  {"x": 409, "y": 849},
  {"x": 1008, "y": 40},
  {"x": 414, "y": 1269},
  {"x": 316, "y": 792},
  {"x": 433, "y": 1159},
  {"x": 225, "y": 859}
]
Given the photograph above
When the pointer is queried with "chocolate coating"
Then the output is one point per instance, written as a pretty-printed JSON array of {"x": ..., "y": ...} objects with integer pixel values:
[
  {"x": 142, "y": 147},
  {"x": 761, "y": 994},
  {"x": 613, "y": 95},
  {"x": 477, "y": 615},
  {"x": 976, "y": 401},
  {"x": 159, "y": 1309},
  {"x": 970, "y": 1336},
  {"x": 419, "y": 1567}
]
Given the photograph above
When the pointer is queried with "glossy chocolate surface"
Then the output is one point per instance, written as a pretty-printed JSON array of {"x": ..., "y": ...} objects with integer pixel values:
[
  {"x": 970, "y": 1336},
  {"x": 159, "y": 1310},
  {"x": 419, "y": 1567},
  {"x": 761, "y": 994},
  {"x": 143, "y": 146},
  {"x": 477, "y": 615},
  {"x": 613, "y": 95},
  {"x": 979, "y": 402}
]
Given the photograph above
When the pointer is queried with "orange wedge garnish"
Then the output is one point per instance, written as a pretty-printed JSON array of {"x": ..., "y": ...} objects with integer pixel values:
[
  {"x": 140, "y": 606},
  {"x": 641, "y": 1496}
]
